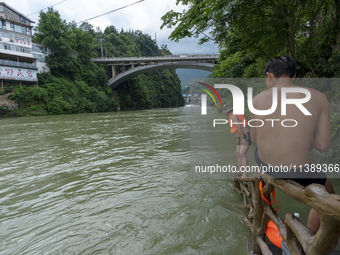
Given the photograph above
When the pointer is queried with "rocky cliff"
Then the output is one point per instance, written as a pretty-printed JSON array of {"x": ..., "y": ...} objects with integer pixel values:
[{"x": 7, "y": 104}]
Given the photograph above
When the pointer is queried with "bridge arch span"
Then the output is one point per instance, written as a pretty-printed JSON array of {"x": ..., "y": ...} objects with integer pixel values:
[{"x": 120, "y": 78}]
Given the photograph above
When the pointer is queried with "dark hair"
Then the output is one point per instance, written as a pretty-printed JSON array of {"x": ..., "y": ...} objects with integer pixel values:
[{"x": 279, "y": 66}]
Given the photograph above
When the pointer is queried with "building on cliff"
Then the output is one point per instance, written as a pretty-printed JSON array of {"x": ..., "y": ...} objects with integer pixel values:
[{"x": 20, "y": 59}]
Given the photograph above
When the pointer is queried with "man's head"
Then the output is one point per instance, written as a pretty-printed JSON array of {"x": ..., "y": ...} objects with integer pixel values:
[
  {"x": 228, "y": 108},
  {"x": 284, "y": 66}
]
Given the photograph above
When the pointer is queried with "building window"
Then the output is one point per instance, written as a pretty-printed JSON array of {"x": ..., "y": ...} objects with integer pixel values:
[
  {"x": 40, "y": 58},
  {"x": 22, "y": 19},
  {"x": 18, "y": 29},
  {"x": 7, "y": 46},
  {"x": 35, "y": 48}
]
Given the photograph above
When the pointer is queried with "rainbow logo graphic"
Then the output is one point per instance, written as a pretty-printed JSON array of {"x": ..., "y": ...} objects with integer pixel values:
[{"x": 204, "y": 98}]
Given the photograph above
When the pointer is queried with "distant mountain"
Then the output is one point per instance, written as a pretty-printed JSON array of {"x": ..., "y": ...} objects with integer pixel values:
[{"x": 186, "y": 74}]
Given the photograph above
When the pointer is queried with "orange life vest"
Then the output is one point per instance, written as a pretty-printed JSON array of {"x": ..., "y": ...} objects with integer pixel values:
[
  {"x": 233, "y": 127},
  {"x": 272, "y": 232}
]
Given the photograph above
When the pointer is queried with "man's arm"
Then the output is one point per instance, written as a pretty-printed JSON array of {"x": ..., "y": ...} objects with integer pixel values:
[
  {"x": 253, "y": 133},
  {"x": 322, "y": 132},
  {"x": 253, "y": 130}
]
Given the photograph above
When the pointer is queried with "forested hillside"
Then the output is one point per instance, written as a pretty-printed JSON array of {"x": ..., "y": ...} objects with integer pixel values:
[
  {"x": 76, "y": 85},
  {"x": 185, "y": 75}
]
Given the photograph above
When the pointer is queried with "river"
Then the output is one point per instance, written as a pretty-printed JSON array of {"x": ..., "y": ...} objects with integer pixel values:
[{"x": 114, "y": 183}]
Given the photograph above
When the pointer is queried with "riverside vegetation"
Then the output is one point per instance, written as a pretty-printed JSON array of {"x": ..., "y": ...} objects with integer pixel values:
[{"x": 76, "y": 85}]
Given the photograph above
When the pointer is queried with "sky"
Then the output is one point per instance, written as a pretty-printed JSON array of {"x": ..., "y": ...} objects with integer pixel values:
[{"x": 144, "y": 16}]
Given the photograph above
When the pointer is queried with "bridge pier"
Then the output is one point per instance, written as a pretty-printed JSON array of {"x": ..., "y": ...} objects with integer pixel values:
[
  {"x": 115, "y": 71},
  {"x": 118, "y": 69}
]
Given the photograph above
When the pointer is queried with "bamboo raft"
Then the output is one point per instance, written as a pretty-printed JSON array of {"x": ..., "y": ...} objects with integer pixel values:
[{"x": 300, "y": 239}]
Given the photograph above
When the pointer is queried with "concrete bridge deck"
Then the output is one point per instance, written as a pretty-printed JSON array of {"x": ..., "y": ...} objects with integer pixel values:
[
  {"x": 125, "y": 68},
  {"x": 167, "y": 58}
]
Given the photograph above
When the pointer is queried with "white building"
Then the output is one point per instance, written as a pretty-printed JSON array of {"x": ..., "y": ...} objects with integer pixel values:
[{"x": 17, "y": 63}]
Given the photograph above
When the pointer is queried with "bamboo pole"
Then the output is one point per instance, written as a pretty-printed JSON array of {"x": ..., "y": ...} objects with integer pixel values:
[
  {"x": 326, "y": 239},
  {"x": 298, "y": 237},
  {"x": 313, "y": 195},
  {"x": 264, "y": 247},
  {"x": 237, "y": 185},
  {"x": 258, "y": 212},
  {"x": 294, "y": 229}
]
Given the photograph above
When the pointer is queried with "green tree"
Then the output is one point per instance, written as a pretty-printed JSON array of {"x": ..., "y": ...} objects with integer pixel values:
[
  {"x": 54, "y": 34},
  {"x": 251, "y": 32}
]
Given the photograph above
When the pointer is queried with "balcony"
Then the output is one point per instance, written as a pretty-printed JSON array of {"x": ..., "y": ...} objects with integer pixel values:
[{"x": 18, "y": 64}]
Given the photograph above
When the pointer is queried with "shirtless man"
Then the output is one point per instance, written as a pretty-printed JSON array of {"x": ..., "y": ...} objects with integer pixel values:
[
  {"x": 242, "y": 133},
  {"x": 290, "y": 146}
]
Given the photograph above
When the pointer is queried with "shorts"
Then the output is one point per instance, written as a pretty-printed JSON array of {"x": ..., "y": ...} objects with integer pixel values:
[
  {"x": 246, "y": 137},
  {"x": 299, "y": 177}
]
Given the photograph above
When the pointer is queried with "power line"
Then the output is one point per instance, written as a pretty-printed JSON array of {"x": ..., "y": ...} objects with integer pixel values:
[
  {"x": 45, "y": 8},
  {"x": 110, "y": 11}
]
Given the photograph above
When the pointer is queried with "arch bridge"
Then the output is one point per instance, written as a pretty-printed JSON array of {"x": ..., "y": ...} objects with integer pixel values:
[{"x": 123, "y": 69}]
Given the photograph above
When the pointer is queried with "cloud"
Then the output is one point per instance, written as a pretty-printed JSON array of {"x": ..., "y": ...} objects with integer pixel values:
[{"x": 144, "y": 16}]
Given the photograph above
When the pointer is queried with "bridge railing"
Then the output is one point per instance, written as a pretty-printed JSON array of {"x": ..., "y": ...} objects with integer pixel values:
[
  {"x": 299, "y": 238},
  {"x": 179, "y": 57}
]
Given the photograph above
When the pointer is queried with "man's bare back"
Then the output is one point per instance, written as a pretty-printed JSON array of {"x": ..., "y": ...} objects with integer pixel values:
[{"x": 290, "y": 146}]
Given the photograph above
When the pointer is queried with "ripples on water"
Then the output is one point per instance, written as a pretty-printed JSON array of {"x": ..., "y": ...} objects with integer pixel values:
[{"x": 111, "y": 183}]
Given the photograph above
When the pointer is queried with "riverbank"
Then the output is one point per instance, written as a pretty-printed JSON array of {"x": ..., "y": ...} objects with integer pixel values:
[
  {"x": 10, "y": 108},
  {"x": 57, "y": 95},
  {"x": 6, "y": 104}
]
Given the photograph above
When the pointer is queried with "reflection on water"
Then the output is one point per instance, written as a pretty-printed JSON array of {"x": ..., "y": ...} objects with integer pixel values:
[{"x": 112, "y": 183}]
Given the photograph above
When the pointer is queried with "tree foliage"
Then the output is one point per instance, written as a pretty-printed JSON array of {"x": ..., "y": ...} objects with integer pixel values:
[
  {"x": 158, "y": 89},
  {"x": 54, "y": 34},
  {"x": 250, "y": 32},
  {"x": 61, "y": 96}
]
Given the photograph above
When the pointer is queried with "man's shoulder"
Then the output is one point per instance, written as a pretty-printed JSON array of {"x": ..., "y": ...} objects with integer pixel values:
[
  {"x": 263, "y": 96},
  {"x": 316, "y": 95}
]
